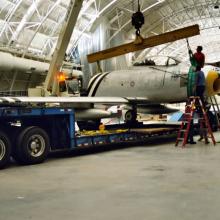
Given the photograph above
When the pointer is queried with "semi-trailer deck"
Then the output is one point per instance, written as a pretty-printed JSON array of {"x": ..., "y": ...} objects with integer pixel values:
[{"x": 29, "y": 134}]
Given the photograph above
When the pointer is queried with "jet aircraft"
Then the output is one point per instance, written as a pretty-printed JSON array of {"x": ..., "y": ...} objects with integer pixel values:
[
  {"x": 144, "y": 87},
  {"x": 150, "y": 83}
]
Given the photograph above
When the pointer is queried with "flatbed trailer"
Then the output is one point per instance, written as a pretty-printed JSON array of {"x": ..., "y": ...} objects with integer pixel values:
[{"x": 29, "y": 134}]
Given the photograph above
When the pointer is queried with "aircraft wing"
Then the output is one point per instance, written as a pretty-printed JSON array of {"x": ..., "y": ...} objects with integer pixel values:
[
  {"x": 51, "y": 99},
  {"x": 138, "y": 100},
  {"x": 86, "y": 108},
  {"x": 83, "y": 99}
]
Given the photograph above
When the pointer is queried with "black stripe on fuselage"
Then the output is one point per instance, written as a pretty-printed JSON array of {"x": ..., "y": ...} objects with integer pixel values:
[
  {"x": 93, "y": 81},
  {"x": 98, "y": 83}
]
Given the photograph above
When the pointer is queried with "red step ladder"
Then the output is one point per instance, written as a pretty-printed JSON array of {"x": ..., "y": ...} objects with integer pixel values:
[{"x": 194, "y": 103}]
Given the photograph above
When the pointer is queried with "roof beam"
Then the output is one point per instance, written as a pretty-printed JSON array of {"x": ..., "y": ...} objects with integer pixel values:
[
  {"x": 42, "y": 21},
  {"x": 10, "y": 15},
  {"x": 23, "y": 21},
  {"x": 128, "y": 22}
]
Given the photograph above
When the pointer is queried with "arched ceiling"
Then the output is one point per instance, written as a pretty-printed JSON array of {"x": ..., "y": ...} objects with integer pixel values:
[{"x": 32, "y": 26}]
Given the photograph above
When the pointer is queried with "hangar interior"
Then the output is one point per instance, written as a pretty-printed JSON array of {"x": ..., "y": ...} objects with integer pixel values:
[
  {"x": 31, "y": 28},
  {"x": 105, "y": 156}
]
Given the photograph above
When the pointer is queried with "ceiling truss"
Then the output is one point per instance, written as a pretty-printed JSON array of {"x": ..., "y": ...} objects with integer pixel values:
[{"x": 32, "y": 26}]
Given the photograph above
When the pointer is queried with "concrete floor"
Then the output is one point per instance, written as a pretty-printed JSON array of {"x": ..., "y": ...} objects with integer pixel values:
[{"x": 138, "y": 183}]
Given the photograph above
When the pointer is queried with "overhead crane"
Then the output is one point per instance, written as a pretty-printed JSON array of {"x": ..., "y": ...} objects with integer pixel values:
[{"x": 51, "y": 82}]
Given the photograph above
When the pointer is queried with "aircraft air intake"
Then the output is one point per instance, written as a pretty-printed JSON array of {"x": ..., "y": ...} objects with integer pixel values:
[{"x": 212, "y": 83}]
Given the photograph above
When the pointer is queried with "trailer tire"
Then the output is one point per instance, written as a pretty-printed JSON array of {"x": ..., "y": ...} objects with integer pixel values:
[
  {"x": 5, "y": 150},
  {"x": 32, "y": 146}
]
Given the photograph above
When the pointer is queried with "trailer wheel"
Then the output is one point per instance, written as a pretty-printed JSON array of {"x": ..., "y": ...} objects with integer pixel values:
[
  {"x": 32, "y": 146},
  {"x": 5, "y": 150},
  {"x": 130, "y": 116}
]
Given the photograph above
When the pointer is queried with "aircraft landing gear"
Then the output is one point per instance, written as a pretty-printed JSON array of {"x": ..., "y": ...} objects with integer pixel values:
[{"x": 131, "y": 116}]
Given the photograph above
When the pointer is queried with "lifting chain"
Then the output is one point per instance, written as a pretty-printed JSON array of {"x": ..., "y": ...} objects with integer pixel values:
[{"x": 137, "y": 20}]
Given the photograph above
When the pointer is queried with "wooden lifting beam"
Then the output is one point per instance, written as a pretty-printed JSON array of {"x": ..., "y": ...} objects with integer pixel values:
[{"x": 147, "y": 42}]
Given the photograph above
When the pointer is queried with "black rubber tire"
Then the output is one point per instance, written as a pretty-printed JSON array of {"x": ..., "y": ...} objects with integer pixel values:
[
  {"x": 5, "y": 150},
  {"x": 38, "y": 138},
  {"x": 130, "y": 116}
]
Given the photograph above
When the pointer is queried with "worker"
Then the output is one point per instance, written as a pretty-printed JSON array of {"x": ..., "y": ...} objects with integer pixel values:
[
  {"x": 200, "y": 88},
  {"x": 203, "y": 131},
  {"x": 199, "y": 57},
  {"x": 200, "y": 83},
  {"x": 190, "y": 139},
  {"x": 191, "y": 133}
]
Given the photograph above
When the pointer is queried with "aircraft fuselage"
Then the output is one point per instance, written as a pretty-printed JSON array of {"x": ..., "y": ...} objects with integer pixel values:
[{"x": 155, "y": 84}]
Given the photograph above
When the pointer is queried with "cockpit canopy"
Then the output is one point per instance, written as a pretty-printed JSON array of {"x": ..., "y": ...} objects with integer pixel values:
[{"x": 158, "y": 61}]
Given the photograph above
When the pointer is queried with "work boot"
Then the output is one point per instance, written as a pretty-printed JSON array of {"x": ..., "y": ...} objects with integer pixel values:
[
  {"x": 200, "y": 139},
  {"x": 206, "y": 141},
  {"x": 191, "y": 141}
]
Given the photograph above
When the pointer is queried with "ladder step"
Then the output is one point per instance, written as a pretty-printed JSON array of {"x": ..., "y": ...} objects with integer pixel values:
[{"x": 193, "y": 105}]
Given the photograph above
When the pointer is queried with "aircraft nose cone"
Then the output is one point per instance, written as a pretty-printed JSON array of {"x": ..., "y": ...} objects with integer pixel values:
[
  {"x": 212, "y": 83},
  {"x": 216, "y": 85}
]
